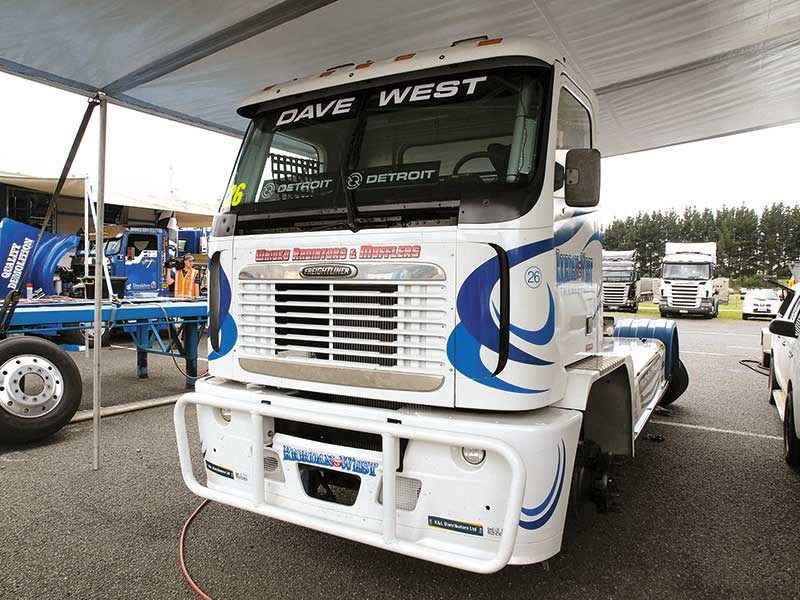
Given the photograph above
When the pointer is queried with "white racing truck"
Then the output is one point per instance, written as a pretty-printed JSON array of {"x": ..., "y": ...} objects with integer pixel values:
[
  {"x": 621, "y": 280},
  {"x": 406, "y": 325},
  {"x": 687, "y": 280}
]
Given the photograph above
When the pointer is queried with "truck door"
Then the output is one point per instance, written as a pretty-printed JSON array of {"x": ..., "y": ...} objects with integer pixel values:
[
  {"x": 142, "y": 264},
  {"x": 783, "y": 347}
]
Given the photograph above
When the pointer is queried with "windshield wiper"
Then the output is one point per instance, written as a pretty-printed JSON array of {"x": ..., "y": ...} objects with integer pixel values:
[{"x": 348, "y": 202}]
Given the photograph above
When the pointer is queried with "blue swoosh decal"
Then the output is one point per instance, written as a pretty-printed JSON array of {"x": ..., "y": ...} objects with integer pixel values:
[
  {"x": 228, "y": 331},
  {"x": 531, "y": 512},
  {"x": 477, "y": 327},
  {"x": 596, "y": 237},
  {"x": 474, "y": 300},
  {"x": 469, "y": 362},
  {"x": 538, "y": 337}
]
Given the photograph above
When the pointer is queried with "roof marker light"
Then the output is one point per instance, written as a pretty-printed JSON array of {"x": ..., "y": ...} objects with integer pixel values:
[
  {"x": 326, "y": 73},
  {"x": 364, "y": 65},
  {"x": 269, "y": 87},
  {"x": 405, "y": 56},
  {"x": 491, "y": 42}
]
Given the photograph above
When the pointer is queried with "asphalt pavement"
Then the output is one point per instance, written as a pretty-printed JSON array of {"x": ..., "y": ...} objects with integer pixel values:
[{"x": 710, "y": 511}]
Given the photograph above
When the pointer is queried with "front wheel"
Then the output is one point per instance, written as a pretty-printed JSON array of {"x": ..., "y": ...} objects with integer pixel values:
[
  {"x": 40, "y": 389},
  {"x": 791, "y": 445}
]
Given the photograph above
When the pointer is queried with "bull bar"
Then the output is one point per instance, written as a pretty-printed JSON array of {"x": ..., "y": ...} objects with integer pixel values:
[{"x": 391, "y": 433}]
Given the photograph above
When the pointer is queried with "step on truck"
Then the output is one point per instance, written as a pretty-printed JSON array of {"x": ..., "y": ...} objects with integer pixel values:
[
  {"x": 405, "y": 312},
  {"x": 687, "y": 280},
  {"x": 621, "y": 285}
]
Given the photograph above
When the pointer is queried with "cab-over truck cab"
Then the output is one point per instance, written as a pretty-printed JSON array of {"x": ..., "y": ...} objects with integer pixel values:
[{"x": 405, "y": 314}]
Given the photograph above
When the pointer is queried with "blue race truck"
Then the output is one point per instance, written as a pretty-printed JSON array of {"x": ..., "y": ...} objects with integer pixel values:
[{"x": 138, "y": 259}]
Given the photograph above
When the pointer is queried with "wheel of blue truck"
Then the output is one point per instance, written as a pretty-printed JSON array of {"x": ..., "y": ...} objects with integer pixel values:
[
  {"x": 40, "y": 389},
  {"x": 791, "y": 445},
  {"x": 76, "y": 336},
  {"x": 773, "y": 385}
]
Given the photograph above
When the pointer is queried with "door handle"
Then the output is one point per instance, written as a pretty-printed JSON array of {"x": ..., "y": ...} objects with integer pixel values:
[{"x": 505, "y": 309}]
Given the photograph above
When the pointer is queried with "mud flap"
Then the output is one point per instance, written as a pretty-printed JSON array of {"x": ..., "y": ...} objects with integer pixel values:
[{"x": 677, "y": 383}]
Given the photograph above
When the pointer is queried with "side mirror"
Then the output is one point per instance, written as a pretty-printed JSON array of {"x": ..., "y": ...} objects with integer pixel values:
[
  {"x": 582, "y": 178},
  {"x": 783, "y": 327},
  {"x": 131, "y": 253}
]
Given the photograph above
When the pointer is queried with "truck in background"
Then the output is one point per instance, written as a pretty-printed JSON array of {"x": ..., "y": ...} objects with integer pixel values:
[
  {"x": 621, "y": 285},
  {"x": 405, "y": 312},
  {"x": 138, "y": 259},
  {"x": 688, "y": 271}
]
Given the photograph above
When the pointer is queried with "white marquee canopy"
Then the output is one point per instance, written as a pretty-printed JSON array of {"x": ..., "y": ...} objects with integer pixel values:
[{"x": 665, "y": 71}]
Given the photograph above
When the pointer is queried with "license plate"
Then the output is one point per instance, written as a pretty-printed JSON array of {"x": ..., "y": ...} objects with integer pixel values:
[
  {"x": 684, "y": 312},
  {"x": 613, "y": 307}
]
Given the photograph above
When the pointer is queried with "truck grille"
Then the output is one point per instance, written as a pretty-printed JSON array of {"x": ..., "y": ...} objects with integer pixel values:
[
  {"x": 615, "y": 293},
  {"x": 684, "y": 295},
  {"x": 388, "y": 325}
]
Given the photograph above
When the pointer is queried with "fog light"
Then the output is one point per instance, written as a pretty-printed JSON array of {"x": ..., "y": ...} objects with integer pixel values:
[{"x": 473, "y": 456}]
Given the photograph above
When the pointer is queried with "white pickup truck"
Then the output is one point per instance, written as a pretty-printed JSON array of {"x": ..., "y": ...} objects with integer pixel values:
[{"x": 405, "y": 310}]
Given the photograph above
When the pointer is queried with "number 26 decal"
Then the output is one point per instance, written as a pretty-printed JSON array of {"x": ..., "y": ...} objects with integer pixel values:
[
  {"x": 533, "y": 277},
  {"x": 237, "y": 193}
]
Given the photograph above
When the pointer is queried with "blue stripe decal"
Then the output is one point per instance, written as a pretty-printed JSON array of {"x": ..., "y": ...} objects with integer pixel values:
[
  {"x": 478, "y": 329},
  {"x": 539, "y": 337},
  {"x": 561, "y": 470},
  {"x": 228, "y": 332},
  {"x": 596, "y": 237}
]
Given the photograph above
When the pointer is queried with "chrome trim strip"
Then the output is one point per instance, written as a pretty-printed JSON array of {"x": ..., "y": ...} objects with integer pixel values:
[
  {"x": 389, "y": 271},
  {"x": 351, "y": 376}
]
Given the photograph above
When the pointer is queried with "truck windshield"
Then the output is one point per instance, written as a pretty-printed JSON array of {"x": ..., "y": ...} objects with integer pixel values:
[
  {"x": 403, "y": 153},
  {"x": 617, "y": 274},
  {"x": 687, "y": 271}
]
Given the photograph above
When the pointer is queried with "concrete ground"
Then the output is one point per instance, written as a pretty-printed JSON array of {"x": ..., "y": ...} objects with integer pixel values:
[{"x": 712, "y": 511}]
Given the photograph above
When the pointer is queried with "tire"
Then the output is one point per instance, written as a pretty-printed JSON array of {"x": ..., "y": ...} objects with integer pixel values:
[
  {"x": 664, "y": 314},
  {"x": 75, "y": 336},
  {"x": 744, "y": 317},
  {"x": 677, "y": 384},
  {"x": 791, "y": 445},
  {"x": 773, "y": 385},
  {"x": 20, "y": 356}
]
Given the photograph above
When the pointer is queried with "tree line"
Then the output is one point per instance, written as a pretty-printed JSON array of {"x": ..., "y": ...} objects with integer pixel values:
[{"x": 749, "y": 244}]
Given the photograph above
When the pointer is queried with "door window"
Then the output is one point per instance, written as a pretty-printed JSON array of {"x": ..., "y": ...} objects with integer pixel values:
[
  {"x": 141, "y": 242},
  {"x": 573, "y": 129}
]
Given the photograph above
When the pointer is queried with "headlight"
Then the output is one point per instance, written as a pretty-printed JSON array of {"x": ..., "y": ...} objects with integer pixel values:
[
  {"x": 473, "y": 456},
  {"x": 225, "y": 414}
]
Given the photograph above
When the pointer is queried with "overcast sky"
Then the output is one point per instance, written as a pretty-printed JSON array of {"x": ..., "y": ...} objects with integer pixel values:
[{"x": 150, "y": 156}]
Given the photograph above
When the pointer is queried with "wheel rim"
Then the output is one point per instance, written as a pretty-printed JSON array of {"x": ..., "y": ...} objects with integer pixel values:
[{"x": 41, "y": 392}]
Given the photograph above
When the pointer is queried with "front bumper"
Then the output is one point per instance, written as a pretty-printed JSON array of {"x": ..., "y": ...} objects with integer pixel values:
[
  {"x": 703, "y": 309},
  {"x": 472, "y": 518},
  {"x": 628, "y": 304}
]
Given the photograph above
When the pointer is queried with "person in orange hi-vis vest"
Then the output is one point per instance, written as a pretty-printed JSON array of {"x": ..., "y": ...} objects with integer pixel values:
[{"x": 185, "y": 280}]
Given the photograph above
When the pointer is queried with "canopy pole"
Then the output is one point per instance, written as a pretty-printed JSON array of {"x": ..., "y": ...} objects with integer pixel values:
[
  {"x": 99, "y": 264},
  {"x": 86, "y": 244}
]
